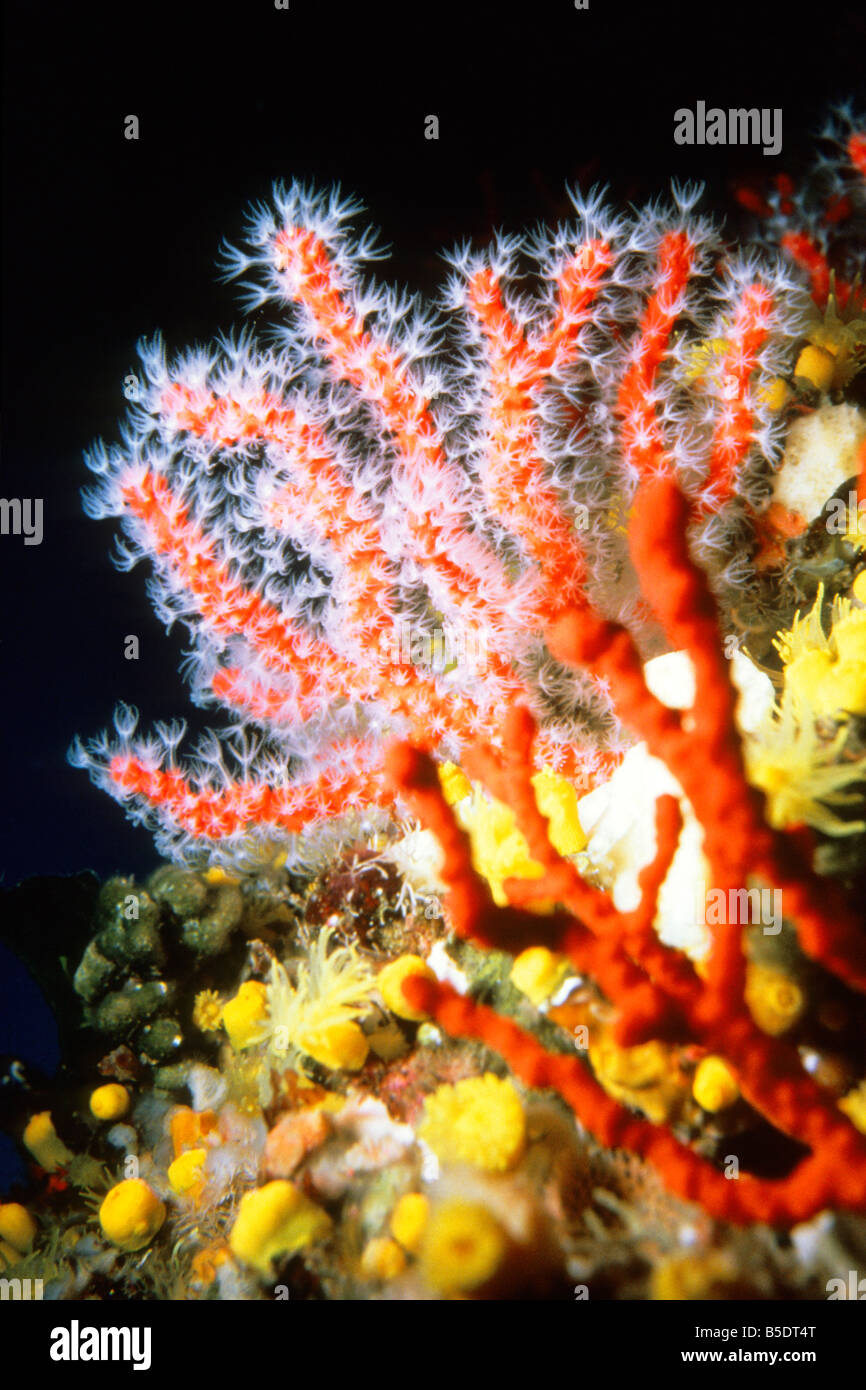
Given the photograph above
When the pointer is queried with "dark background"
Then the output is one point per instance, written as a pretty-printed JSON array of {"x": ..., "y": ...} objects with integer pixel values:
[{"x": 106, "y": 240}]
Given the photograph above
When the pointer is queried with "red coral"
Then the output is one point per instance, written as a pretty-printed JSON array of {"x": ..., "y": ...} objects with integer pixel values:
[{"x": 656, "y": 991}]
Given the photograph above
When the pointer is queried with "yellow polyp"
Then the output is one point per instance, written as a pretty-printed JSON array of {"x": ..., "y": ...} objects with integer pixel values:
[
  {"x": 714, "y": 1086},
  {"x": 538, "y": 973},
  {"x": 702, "y": 356},
  {"x": 42, "y": 1140},
  {"x": 844, "y": 688},
  {"x": 647, "y": 1076},
  {"x": 390, "y": 984},
  {"x": 217, "y": 876},
  {"x": 499, "y": 848},
  {"x": 806, "y": 674},
  {"x": 382, "y": 1259},
  {"x": 131, "y": 1214},
  {"x": 109, "y": 1102},
  {"x": 479, "y": 1120},
  {"x": 338, "y": 1046},
  {"x": 854, "y": 1106},
  {"x": 775, "y": 395},
  {"x": 774, "y": 1000},
  {"x": 683, "y": 1277},
  {"x": 207, "y": 1010},
  {"x": 817, "y": 366},
  {"x": 17, "y": 1227},
  {"x": 556, "y": 798},
  {"x": 186, "y": 1173},
  {"x": 243, "y": 1016},
  {"x": 859, "y": 587},
  {"x": 274, "y": 1221},
  {"x": 454, "y": 783},
  {"x": 463, "y": 1248},
  {"x": 409, "y": 1221}
]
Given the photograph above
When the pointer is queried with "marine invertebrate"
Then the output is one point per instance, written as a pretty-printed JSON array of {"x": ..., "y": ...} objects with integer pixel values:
[
  {"x": 275, "y": 1220},
  {"x": 306, "y": 506},
  {"x": 302, "y": 504},
  {"x": 318, "y": 1017},
  {"x": 656, "y": 992},
  {"x": 463, "y": 1247},
  {"x": 131, "y": 1214},
  {"x": 480, "y": 1121}
]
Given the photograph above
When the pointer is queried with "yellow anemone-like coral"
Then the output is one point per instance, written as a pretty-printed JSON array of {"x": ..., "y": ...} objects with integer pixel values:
[
  {"x": 409, "y": 1220},
  {"x": 17, "y": 1227},
  {"x": 827, "y": 672},
  {"x": 647, "y": 1077},
  {"x": 479, "y": 1120},
  {"x": 854, "y": 1106},
  {"x": 207, "y": 1010},
  {"x": 131, "y": 1214},
  {"x": 538, "y": 973},
  {"x": 243, "y": 1016},
  {"x": 186, "y": 1173},
  {"x": 382, "y": 1259},
  {"x": 390, "y": 982},
  {"x": 463, "y": 1248},
  {"x": 46, "y": 1146},
  {"x": 775, "y": 1001},
  {"x": 499, "y": 849},
  {"x": 803, "y": 773},
  {"x": 318, "y": 1017},
  {"x": 714, "y": 1086},
  {"x": 273, "y": 1221},
  {"x": 109, "y": 1102}
]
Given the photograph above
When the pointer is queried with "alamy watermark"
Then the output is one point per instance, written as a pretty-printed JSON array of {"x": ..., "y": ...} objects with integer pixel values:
[
  {"x": 737, "y": 126},
  {"x": 845, "y": 516},
  {"x": 439, "y": 649},
  {"x": 853, "y": 1287},
  {"x": 741, "y": 906},
  {"x": 22, "y": 516},
  {"x": 21, "y": 1290}
]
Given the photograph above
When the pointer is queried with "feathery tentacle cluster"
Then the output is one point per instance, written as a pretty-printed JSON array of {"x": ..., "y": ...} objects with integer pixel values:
[{"x": 368, "y": 527}]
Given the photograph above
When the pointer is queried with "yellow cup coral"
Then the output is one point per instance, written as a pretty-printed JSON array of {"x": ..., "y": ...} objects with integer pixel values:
[
  {"x": 43, "y": 1141},
  {"x": 131, "y": 1214},
  {"x": 816, "y": 365},
  {"x": 409, "y": 1220},
  {"x": 714, "y": 1086},
  {"x": 538, "y": 973},
  {"x": 382, "y": 1259},
  {"x": 273, "y": 1221},
  {"x": 463, "y": 1248},
  {"x": 647, "y": 1076},
  {"x": 340, "y": 1046},
  {"x": 480, "y": 1121},
  {"x": 854, "y": 1106},
  {"x": 186, "y": 1174},
  {"x": 109, "y": 1102},
  {"x": 243, "y": 1016},
  {"x": 693, "y": 1276},
  {"x": 390, "y": 983},
  {"x": 775, "y": 1001},
  {"x": 17, "y": 1227}
]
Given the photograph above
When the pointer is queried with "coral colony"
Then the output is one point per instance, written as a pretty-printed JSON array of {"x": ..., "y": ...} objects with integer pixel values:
[{"x": 511, "y": 941}]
